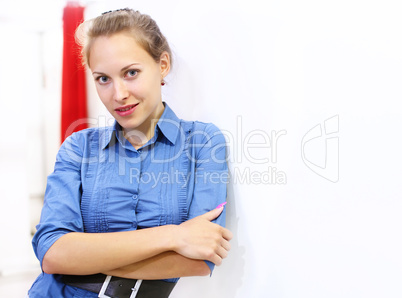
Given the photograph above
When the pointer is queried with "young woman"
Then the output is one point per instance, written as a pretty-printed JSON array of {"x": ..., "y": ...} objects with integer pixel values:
[{"x": 131, "y": 208}]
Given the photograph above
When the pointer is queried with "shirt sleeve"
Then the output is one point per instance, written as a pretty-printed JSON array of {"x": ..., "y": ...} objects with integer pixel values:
[
  {"x": 211, "y": 175},
  {"x": 61, "y": 210}
]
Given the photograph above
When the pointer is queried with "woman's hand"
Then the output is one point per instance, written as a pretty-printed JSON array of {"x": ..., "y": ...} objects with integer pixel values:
[{"x": 199, "y": 238}]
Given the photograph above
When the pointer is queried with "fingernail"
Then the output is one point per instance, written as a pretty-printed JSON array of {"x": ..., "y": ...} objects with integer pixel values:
[{"x": 221, "y": 205}]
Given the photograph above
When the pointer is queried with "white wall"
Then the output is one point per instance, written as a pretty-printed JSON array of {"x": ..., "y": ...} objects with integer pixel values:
[
  {"x": 268, "y": 72},
  {"x": 14, "y": 213},
  {"x": 314, "y": 87},
  {"x": 29, "y": 107}
]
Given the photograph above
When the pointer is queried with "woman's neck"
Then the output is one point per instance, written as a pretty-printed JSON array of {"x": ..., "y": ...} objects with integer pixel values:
[{"x": 139, "y": 136}]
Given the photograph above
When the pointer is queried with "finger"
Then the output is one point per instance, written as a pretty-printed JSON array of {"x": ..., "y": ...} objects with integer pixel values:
[
  {"x": 211, "y": 215},
  {"x": 216, "y": 259},
  {"x": 223, "y": 253},
  {"x": 226, "y": 234},
  {"x": 223, "y": 249},
  {"x": 226, "y": 245}
]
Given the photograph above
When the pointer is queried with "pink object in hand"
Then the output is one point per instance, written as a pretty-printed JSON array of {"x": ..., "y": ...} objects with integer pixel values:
[{"x": 221, "y": 205}]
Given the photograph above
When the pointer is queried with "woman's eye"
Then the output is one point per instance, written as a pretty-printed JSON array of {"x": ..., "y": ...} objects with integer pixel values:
[
  {"x": 131, "y": 73},
  {"x": 102, "y": 79}
]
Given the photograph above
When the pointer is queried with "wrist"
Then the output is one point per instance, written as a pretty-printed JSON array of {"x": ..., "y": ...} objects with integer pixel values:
[{"x": 171, "y": 236}]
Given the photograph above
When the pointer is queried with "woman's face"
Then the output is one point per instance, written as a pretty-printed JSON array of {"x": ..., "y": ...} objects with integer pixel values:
[{"x": 128, "y": 81}]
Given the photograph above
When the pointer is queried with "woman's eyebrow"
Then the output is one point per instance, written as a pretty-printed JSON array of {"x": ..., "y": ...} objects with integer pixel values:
[
  {"x": 97, "y": 72},
  {"x": 128, "y": 66},
  {"x": 122, "y": 70}
]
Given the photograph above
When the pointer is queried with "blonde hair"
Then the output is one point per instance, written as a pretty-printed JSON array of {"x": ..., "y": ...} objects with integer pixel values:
[{"x": 141, "y": 26}]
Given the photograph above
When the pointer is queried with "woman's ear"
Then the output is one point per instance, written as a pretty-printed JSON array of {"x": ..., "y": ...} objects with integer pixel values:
[{"x": 164, "y": 64}]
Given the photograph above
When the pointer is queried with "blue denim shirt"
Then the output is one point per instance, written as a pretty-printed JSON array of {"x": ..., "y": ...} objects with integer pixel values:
[{"x": 101, "y": 183}]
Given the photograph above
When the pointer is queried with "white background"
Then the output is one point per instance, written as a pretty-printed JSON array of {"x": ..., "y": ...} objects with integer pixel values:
[{"x": 254, "y": 68}]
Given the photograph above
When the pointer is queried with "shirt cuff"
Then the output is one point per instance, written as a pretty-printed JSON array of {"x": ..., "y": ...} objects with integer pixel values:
[{"x": 211, "y": 266}]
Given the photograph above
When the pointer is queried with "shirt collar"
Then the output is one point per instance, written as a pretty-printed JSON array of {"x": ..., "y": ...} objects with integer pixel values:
[{"x": 168, "y": 124}]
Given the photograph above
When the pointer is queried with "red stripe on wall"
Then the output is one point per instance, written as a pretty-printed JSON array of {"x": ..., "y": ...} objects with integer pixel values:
[{"x": 73, "y": 100}]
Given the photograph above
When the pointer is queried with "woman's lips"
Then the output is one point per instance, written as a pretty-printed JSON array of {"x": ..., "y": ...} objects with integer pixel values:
[{"x": 126, "y": 110}]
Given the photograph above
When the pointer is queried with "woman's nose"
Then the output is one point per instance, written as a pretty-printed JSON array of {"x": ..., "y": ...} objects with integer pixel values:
[{"x": 120, "y": 91}]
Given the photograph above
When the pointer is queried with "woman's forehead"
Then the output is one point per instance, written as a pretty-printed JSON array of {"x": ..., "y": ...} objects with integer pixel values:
[{"x": 116, "y": 49}]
